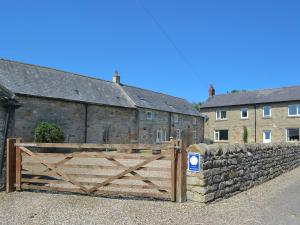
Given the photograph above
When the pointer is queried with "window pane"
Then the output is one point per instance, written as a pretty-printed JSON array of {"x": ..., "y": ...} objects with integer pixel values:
[
  {"x": 267, "y": 111},
  {"x": 216, "y": 135},
  {"x": 223, "y": 135},
  {"x": 293, "y": 134},
  {"x": 244, "y": 113},
  {"x": 293, "y": 109},
  {"x": 218, "y": 114},
  {"x": 223, "y": 114},
  {"x": 267, "y": 134}
]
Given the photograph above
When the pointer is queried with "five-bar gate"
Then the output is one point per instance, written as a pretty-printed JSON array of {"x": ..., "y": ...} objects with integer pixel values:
[{"x": 156, "y": 171}]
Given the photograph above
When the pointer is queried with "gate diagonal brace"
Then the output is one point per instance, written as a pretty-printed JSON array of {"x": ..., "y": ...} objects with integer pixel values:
[
  {"x": 55, "y": 170},
  {"x": 135, "y": 174},
  {"x": 129, "y": 170}
]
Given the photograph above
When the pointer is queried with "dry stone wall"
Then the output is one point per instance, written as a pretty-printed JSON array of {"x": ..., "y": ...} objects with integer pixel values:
[{"x": 230, "y": 169}]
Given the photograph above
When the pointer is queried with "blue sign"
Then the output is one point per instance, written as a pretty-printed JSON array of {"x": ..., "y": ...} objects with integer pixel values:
[{"x": 194, "y": 162}]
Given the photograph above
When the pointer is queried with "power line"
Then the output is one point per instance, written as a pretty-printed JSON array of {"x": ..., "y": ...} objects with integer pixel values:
[{"x": 168, "y": 37}]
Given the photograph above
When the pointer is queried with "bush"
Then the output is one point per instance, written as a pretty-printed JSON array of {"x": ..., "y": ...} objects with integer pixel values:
[
  {"x": 48, "y": 133},
  {"x": 245, "y": 135}
]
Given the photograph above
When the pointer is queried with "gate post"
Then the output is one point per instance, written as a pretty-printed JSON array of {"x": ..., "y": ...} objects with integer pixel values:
[
  {"x": 18, "y": 166},
  {"x": 10, "y": 164},
  {"x": 181, "y": 164},
  {"x": 173, "y": 170}
]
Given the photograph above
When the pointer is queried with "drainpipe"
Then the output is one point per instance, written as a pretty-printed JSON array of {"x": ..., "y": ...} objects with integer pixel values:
[
  {"x": 5, "y": 133},
  {"x": 255, "y": 123},
  {"x": 85, "y": 122},
  {"x": 170, "y": 124}
]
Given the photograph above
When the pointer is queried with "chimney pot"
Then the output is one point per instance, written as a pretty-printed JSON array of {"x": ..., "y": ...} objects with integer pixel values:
[
  {"x": 116, "y": 78},
  {"x": 211, "y": 91}
]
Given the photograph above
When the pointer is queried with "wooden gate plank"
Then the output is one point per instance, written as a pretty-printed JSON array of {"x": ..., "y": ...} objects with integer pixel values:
[
  {"x": 138, "y": 175},
  {"x": 77, "y": 175},
  {"x": 109, "y": 180},
  {"x": 58, "y": 172}
]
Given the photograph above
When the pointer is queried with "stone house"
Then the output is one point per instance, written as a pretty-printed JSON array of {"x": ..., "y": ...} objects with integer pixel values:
[
  {"x": 269, "y": 115},
  {"x": 90, "y": 110}
]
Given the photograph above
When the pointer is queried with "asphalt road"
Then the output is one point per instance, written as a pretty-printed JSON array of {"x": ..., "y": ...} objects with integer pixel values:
[{"x": 276, "y": 202}]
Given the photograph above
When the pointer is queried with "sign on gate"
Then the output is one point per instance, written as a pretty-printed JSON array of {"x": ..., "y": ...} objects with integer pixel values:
[{"x": 194, "y": 162}]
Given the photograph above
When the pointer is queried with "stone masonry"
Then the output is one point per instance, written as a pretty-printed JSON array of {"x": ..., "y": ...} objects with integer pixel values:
[
  {"x": 277, "y": 123},
  {"x": 104, "y": 124},
  {"x": 230, "y": 169}
]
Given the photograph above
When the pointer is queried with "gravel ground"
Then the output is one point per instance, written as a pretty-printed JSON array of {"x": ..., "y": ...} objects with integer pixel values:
[{"x": 276, "y": 202}]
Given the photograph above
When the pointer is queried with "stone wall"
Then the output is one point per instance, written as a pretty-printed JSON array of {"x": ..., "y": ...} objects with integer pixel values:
[
  {"x": 234, "y": 124},
  {"x": 188, "y": 127},
  {"x": 111, "y": 125},
  {"x": 277, "y": 123},
  {"x": 105, "y": 124},
  {"x": 70, "y": 116},
  {"x": 148, "y": 128},
  {"x": 230, "y": 169},
  {"x": 165, "y": 121}
]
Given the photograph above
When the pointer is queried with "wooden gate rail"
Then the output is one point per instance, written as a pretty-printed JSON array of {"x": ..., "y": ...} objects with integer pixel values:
[{"x": 22, "y": 173}]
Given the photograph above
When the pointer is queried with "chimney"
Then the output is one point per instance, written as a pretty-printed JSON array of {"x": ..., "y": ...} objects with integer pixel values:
[
  {"x": 116, "y": 78},
  {"x": 211, "y": 91}
]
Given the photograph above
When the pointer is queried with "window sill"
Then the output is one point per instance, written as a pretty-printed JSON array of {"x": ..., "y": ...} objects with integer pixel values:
[
  {"x": 297, "y": 116},
  {"x": 221, "y": 141},
  {"x": 245, "y": 118},
  {"x": 267, "y": 117},
  {"x": 221, "y": 120}
]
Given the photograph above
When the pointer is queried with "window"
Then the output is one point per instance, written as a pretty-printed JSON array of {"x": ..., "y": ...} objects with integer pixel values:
[
  {"x": 195, "y": 134},
  {"x": 194, "y": 121},
  {"x": 161, "y": 135},
  {"x": 221, "y": 115},
  {"x": 244, "y": 113},
  {"x": 178, "y": 134},
  {"x": 294, "y": 110},
  {"x": 149, "y": 115},
  {"x": 267, "y": 136},
  {"x": 267, "y": 112},
  {"x": 176, "y": 118},
  {"x": 292, "y": 134},
  {"x": 221, "y": 135}
]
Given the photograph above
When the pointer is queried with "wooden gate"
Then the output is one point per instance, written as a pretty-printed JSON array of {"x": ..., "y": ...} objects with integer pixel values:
[{"x": 156, "y": 171}]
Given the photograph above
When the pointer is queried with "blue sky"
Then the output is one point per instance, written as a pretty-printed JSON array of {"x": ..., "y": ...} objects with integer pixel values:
[{"x": 232, "y": 44}]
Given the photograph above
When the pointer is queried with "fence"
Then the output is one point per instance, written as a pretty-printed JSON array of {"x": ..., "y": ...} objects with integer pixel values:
[{"x": 156, "y": 171}]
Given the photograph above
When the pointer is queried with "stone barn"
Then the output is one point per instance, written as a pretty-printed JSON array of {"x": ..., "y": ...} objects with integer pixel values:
[{"x": 90, "y": 110}]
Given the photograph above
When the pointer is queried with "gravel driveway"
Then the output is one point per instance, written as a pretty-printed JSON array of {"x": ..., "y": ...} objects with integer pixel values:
[{"x": 272, "y": 203}]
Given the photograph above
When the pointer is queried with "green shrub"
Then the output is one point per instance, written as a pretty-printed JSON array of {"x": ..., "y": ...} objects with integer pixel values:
[
  {"x": 245, "y": 135},
  {"x": 48, "y": 133}
]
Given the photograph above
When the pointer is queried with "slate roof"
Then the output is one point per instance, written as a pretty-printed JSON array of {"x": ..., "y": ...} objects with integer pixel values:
[
  {"x": 154, "y": 100},
  {"x": 33, "y": 80},
  {"x": 254, "y": 97}
]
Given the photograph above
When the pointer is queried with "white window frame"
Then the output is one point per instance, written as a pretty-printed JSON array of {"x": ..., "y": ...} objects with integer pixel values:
[
  {"x": 176, "y": 118},
  {"x": 195, "y": 134},
  {"x": 298, "y": 110},
  {"x": 217, "y": 133},
  {"x": 242, "y": 109},
  {"x": 264, "y": 137},
  {"x": 178, "y": 134},
  {"x": 163, "y": 135},
  {"x": 194, "y": 121},
  {"x": 270, "y": 109},
  {"x": 220, "y": 118},
  {"x": 149, "y": 113},
  {"x": 286, "y": 133}
]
